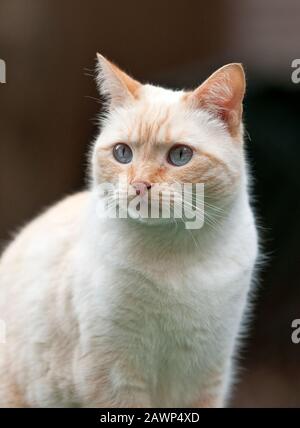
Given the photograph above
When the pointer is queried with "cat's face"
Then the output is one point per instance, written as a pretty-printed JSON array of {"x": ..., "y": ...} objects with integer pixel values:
[{"x": 157, "y": 137}]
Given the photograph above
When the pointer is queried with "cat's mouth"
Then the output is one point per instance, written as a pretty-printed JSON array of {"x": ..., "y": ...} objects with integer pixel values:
[{"x": 158, "y": 205}]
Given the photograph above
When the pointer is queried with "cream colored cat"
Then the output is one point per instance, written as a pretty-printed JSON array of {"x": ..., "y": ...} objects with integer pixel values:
[{"x": 136, "y": 313}]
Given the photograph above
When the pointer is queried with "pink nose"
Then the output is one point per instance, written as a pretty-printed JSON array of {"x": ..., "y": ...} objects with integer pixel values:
[{"x": 141, "y": 187}]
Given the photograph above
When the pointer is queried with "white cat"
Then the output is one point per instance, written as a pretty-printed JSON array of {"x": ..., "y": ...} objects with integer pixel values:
[{"x": 104, "y": 312}]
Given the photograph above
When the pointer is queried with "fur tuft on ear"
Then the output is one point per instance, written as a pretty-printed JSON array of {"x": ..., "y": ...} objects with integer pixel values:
[
  {"x": 222, "y": 94},
  {"x": 114, "y": 83}
]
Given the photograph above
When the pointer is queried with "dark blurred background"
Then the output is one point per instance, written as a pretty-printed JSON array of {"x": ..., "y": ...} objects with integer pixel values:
[{"x": 49, "y": 105}]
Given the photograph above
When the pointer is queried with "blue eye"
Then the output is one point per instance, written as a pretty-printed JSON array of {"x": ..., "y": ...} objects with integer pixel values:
[
  {"x": 180, "y": 155},
  {"x": 122, "y": 153}
]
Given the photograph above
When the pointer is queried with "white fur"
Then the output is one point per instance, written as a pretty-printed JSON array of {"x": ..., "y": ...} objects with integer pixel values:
[{"x": 116, "y": 313}]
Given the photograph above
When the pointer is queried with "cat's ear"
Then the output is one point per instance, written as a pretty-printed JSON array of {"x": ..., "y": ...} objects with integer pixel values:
[
  {"x": 222, "y": 94},
  {"x": 115, "y": 84}
]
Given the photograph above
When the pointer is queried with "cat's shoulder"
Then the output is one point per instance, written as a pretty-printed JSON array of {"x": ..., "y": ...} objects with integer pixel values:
[
  {"x": 59, "y": 222},
  {"x": 67, "y": 211},
  {"x": 67, "y": 208}
]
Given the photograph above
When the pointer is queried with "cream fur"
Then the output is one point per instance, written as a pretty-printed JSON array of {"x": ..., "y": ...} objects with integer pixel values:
[{"x": 107, "y": 313}]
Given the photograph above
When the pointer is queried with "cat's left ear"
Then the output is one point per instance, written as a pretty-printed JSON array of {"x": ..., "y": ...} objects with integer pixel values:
[
  {"x": 114, "y": 83},
  {"x": 222, "y": 94}
]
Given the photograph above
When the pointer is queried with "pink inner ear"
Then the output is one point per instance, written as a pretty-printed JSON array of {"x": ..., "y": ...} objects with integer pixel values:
[
  {"x": 223, "y": 94},
  {"x": 218, "y": 93},
  {"x": 115, "y": 83},
  {"x": 218, "y": 99}
]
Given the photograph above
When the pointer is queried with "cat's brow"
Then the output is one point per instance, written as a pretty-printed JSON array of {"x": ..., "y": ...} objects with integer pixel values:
[
  {"x": 149, "y": 131},
  {"x": 158, "y": 144}
]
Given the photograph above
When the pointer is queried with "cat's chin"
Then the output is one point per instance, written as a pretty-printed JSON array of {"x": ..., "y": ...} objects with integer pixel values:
[
  {"x": 153, "y": 221},
  {"x": 158, "y": 222}
]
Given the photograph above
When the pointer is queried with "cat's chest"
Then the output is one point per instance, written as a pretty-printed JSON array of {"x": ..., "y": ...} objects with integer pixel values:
[
  {"x": 164, "y": 332},
  {"x": 175, "y": 298},
  {"x": 172, "y": 312},
  {"x": 170, "y": 326}
]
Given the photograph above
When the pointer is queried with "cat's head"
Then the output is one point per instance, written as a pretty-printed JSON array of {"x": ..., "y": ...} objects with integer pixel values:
[{"x": 153, "y": 136}]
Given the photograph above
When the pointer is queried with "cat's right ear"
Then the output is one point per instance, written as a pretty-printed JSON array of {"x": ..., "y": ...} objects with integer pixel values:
[{"x": 114, "y": 84}]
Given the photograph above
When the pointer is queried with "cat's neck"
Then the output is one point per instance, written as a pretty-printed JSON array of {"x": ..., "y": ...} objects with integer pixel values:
[{"x": 128, "y": 236}]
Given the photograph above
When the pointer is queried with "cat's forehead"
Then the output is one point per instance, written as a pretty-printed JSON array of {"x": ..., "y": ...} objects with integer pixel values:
[
  {"x": 156, "y": 117},
  {"x": 159, "y": 95}
]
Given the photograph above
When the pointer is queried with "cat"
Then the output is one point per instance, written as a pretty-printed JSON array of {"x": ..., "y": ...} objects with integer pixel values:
[{"x": 136, "y": 312}]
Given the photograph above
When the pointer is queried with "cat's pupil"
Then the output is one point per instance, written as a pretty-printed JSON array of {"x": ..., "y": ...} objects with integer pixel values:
[
  {"x": 179, "y": 156},
  {"x": 122, "y": 153}
]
